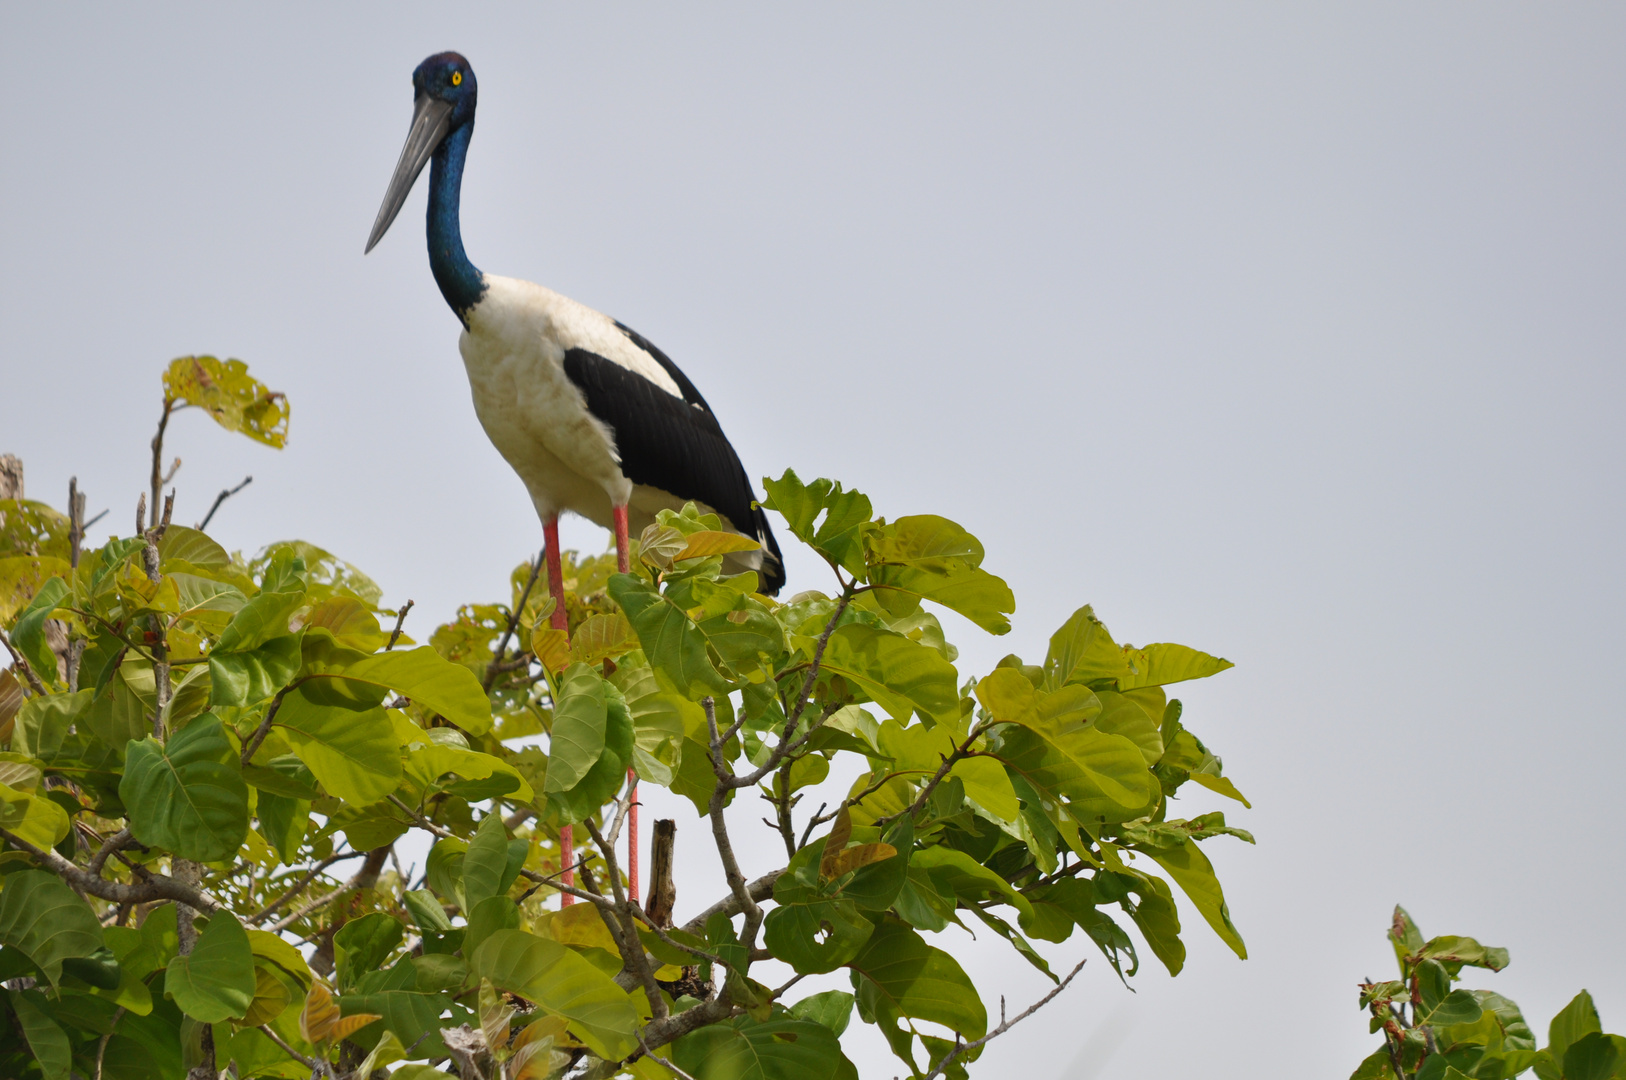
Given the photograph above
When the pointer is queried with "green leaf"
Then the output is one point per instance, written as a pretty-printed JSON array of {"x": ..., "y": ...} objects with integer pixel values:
[
  {"x": 46, "y": 921},
  {"x": 485, "y": 864},
  {"x": 562, "y": 983},
  {"x": 957, "y": 874},
  {"x": 1457, "y": 1007},
  {"x": 282, "y": 823},
  {"x": 191, "y": 546},
  {"x": 925, "y": 557},
  {"x": 1082, "y": 651},
  {"x": 21, "y": 578},
  {"x": 1192, "y": 871},
  {"x": 43, "y": 723},
  {"x": 745, "y": 1049},
  {"x": 1222, "y": 786},
  {"x": 187, "y": 796},
  {"x": 899, "y": 674},
  {"x": 1101, "y": 777},
  {"x": 424, "y": 676},
  {"x": 839, "y": 536},
  {"x": 675, "y": 646},
  {"x": 226, "y": 391},
  {"x": 898, "y": 975},
  {"x": 607, "y": 775},
  {"x": 46, "y": 1041},
  {"x": 216, "y": 981},
  {"x": 1163, "y": 663},
  {"x": 579, "y": 719},
  {"x": 1594, "y": 1056},
  {"x": 262, "y": 619},
  {"x": 28, "y": 633},
  {"x": 362, "y": 945},
  {"x": 252, "y": 675},
  {"x": 428, "y": 763},
  {"x": 1576, "y": 1020},
  {"x": 355, "y": 755},
  {"x": 832, "y": 1008},
  {"x": 34, "y": 818},
  {"x": 659, "y": 720},
  {"x": 816, "y": 937}
]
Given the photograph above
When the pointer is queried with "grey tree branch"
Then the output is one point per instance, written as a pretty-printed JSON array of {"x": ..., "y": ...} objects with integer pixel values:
[
  {"x": 150, "y": 887},
  {"x": 961, "y": 1048},
  {"x": 22, "y": 665},
  {"x": 400, "y": 617},
  {"x": 719, "y": 829},
  {"x": 492, "y": 669},
  {"x": 960, "y": 752},
  {"x": 619, "y": 922},
  {"x": 222, "y": 497}
]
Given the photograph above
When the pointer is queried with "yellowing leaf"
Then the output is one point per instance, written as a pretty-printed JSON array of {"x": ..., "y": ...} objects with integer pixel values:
[
  {"x": 551, "y": 648},
  {"x": 703, "y": 544},
  {"x": 225, "y": 390},
  {"x": 845, "y": 862},
  {"x": 602, "y": 636}
]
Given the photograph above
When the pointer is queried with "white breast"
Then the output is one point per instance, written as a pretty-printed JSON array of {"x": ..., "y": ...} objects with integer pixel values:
[{"x": 514, "y": 352}]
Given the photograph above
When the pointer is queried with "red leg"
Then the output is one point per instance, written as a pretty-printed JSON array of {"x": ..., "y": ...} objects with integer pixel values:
[
  {"x": 622, "y": 544},
  {"x": 632, "y": 837},
  {"x": 623, "y": 563},
  {"x": 556, "y": 572},
  {"x": 556, "y": 589}
]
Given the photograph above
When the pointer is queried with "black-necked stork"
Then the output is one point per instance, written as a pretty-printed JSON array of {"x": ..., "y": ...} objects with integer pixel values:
[{"x": 593, "y": 418}]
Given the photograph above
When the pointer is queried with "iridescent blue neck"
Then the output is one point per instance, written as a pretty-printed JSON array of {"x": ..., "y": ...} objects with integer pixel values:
[{"x": 460, "y": 281}]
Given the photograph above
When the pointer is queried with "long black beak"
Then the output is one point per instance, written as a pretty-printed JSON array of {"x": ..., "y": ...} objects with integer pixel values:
[{"x": 430, "y": 119}]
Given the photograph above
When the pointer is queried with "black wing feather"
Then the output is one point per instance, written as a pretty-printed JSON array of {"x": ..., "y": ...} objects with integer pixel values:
[{"x": 673, "y": 444}]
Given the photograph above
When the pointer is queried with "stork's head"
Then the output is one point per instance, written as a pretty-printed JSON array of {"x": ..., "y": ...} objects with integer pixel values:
[{"x": 444, "y": 94}]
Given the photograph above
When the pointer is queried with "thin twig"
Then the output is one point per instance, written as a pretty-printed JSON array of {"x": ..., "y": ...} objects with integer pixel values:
[
  {"x": 624, "y": 932},
  {"x": 513, "y": 622},
  {"x": 222, "y": 497},
  {"x": 303, "y": 884},
  {"x": 21, "y": 664},
  {"x": 675, "y": 1071},
  {"x": 961, "y": 1048},
  {"x": 719, "y": 829},
  {"x": 309, "y": 1063},
  {"x": 400, "y": 617},
  {"x": 251, "y": 747},
  {"x": 101, "y": 1047},
  {"x": 961, "y": 751}
]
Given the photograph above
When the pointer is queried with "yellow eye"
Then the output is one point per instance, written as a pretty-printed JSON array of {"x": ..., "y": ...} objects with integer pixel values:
[{"x": 457, "y": 78}]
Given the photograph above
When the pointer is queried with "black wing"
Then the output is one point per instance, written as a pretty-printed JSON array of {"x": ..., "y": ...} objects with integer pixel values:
[{"x": 673, "y": 444}]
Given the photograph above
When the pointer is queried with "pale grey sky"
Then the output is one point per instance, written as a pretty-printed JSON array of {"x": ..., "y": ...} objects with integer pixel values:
[{"x": 1293, "y": 333}]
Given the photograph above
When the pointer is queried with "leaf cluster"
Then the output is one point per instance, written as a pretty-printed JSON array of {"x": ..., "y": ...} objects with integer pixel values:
[
  {"x": 209, "y": 760},
  {"x": 1433, "y": 1031}
]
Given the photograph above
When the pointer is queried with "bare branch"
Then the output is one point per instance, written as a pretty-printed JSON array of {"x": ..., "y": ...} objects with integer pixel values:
[
  {"x": 961, "y": 751},
  {"x": 150, "y": 887},
  {"x": 251, "y": 747},
  {"x": 675, "y": 1071},
  {"x": 18, "y": 662},
  {"x": 1006, "y": 1025},
  {"x": 621, "y": 928},
  {"x": 222, "y": 497},
  {"x": 513, "y": 622},
  {"x": 400, "y": 617},
  {"x": 310, "y": 1063},
  {"x": 743, "y": 894},
  {"x": 117, "y": 842},
  {"x": 303, "y": 884}
]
